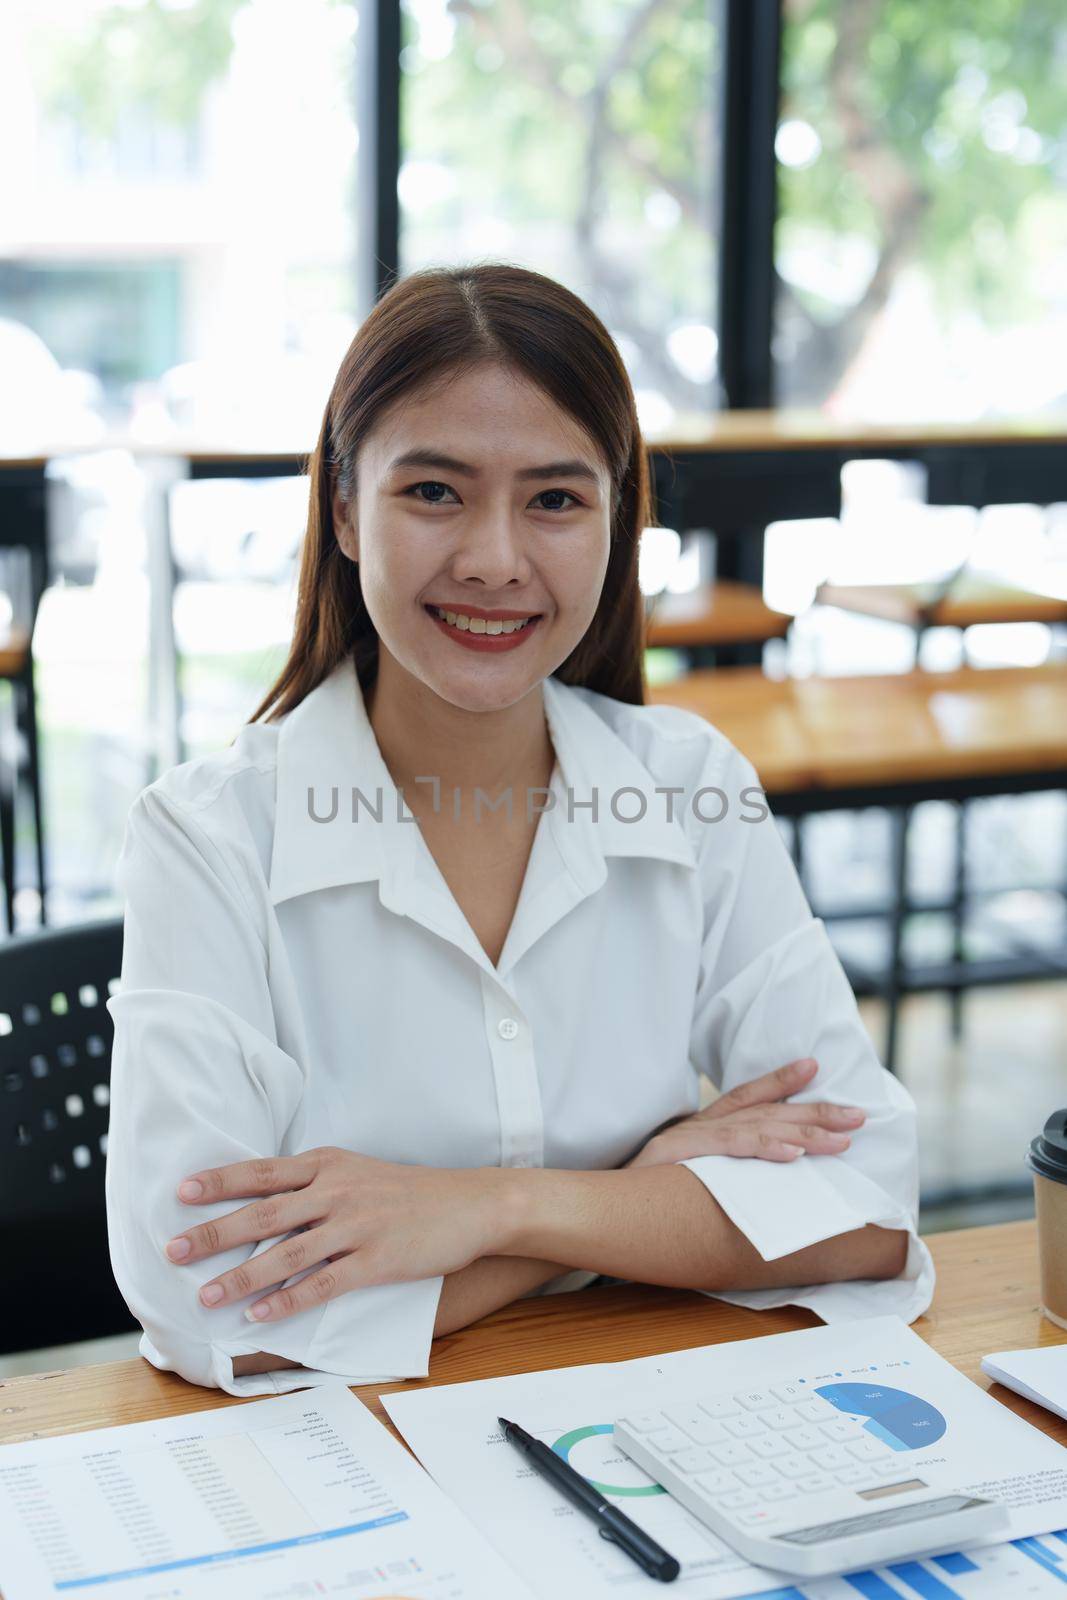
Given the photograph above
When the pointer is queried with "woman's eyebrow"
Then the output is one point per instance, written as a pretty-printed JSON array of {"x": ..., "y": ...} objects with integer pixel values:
[{"x": 573, "y": 468}]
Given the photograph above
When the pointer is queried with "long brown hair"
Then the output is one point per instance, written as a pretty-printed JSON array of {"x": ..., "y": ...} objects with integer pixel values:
[{"x": 431, "y": 326}]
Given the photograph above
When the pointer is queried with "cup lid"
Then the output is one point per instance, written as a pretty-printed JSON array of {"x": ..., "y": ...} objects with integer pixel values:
[{"x": 1048, "y": 1151}]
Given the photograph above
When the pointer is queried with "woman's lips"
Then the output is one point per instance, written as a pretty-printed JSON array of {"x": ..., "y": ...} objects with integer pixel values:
[{"x": 491, "y": 643}]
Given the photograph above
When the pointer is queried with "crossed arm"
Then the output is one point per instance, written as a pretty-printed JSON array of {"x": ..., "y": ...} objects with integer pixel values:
[
  {"x": 663, "y": 1228},
  {"x": 507, "y": 1231}
]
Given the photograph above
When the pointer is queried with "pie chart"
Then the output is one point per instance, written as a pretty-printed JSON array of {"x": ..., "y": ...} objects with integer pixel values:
[
  {"x": 594, "y": 1451},
  {"x": 898, "y": 1418}
]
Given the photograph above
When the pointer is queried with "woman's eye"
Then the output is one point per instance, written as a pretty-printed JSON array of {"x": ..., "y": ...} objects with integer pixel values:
[
  {"x": 429, "y": 483},
  {"x": 432, "y": 483}
]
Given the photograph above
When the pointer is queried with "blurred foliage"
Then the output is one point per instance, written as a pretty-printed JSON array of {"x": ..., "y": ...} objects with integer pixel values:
[
  {"x": 149, "y": 52},
  {"x": 590, "y": 132},
  {"x": 943, "y": 126}
]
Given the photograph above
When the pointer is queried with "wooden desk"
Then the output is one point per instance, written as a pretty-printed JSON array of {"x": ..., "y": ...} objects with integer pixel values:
[
  {"x": 818, "y": 743},
  {"x": 799, "y": 428},
  {"x": 719, "y": 613},
  {"x": 972, "y": 599},
  {"x": 987, "y": 1299}
]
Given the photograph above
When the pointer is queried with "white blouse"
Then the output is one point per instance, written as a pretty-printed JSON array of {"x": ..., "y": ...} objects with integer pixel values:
[{"x": 292, "y": 978}]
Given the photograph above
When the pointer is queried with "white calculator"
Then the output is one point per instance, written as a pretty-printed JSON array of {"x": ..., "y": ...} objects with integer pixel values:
[{"x": 791, "y": 1481}]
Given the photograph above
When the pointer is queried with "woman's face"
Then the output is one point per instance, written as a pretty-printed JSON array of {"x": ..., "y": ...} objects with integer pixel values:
[{"x": 478, "y": 528}]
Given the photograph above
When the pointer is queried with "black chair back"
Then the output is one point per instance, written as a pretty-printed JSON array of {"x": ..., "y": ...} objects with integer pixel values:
[{"x": 55, "y": 1074}]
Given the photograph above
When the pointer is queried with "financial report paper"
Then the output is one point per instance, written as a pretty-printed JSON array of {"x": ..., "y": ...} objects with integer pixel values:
[{"x": 298, "y": 1495}]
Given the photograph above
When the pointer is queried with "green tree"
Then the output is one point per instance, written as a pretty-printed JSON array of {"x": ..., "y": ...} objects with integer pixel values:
[
  {"x": 944, "y": 141},
  {"x": 150, "y": 53}
]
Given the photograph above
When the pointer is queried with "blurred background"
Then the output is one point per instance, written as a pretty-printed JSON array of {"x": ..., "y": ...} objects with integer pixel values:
[{"x": 830, "y": 240}]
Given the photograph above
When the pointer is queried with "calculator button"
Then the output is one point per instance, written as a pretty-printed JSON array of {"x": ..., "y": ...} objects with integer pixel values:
[
  {"x": 694, "y": 1460},
  {"x": 751, "y": 1518},
  {"x": 769, "y": 1446},
  {"x": 744, "y": 1427},
  {"x": 789, "y": 1392},
  {"x": 698, "y": 1427},
  {"x": 737, "y": 1498},
  {"x": 716, "y": 1483},
  {"x": 781, "y": 1417},
  {"x": 814, "y": 1482},
  {"x": 754, "y": 1399},
  {"x": 779, "y": 1491},
  {"x": 644, "y": 1421},
  {"x": 840, "y": 1430},
  {"x": 866, "y": 1450},
  {"x": 668, "y": 1440},
  {"x": 803, "y": 1438},
  {"x": 855, "y": 1474},
  {"x": 732, "y": 1455},
  {"x": 794, "y": 1466},
  {"x": 816, "y": 1411},
  {"x": 719, "y": 1406},
  {"x": 830, "y": 1455},
  {"x": 885, "y": 1468},
  {"x": 760, "y": 1473}
]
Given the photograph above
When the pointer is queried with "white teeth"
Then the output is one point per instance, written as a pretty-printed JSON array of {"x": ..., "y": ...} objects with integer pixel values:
[{"x": 456, "y": 619}]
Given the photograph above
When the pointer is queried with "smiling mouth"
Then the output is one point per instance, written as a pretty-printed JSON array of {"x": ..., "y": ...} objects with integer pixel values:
[{"x": 465, "y": 623}]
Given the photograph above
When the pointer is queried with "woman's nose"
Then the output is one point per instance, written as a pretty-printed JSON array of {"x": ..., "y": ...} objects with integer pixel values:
[{"x": 491, "y": 550}]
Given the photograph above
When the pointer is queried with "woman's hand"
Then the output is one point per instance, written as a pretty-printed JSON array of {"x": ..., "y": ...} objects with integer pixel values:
[
  {"x": 757, "y": 1119},
  {"x": 365, "y": 1222}
]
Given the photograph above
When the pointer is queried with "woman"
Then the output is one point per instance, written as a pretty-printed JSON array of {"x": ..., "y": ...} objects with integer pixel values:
[{"x": 415, "y": 967}]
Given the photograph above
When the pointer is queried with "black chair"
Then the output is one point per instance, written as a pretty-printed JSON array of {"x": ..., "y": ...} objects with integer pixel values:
[{"x": 55, "y": 1071}]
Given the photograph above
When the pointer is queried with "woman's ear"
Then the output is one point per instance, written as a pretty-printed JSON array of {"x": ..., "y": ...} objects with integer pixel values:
[{"x": 344, "y": 526}]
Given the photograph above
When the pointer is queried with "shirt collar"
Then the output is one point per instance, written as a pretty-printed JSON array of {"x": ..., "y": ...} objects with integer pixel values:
[{"x": 327, "y": 749}]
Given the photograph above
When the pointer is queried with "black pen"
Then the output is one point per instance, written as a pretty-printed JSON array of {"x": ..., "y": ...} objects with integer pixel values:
[{"x": 613, "y": 1524}]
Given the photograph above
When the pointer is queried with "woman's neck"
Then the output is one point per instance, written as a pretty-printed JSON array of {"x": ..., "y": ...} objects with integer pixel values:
[{"x": 422, "y": 736}]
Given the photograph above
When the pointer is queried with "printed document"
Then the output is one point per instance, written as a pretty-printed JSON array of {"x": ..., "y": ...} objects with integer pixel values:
[{"x": 298, "y": 1495}]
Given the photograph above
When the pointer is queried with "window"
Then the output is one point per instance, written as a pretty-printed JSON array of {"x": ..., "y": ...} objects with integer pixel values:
[
  {"x": 581, "y": 141},
  {"x": 923, "y": 208}
]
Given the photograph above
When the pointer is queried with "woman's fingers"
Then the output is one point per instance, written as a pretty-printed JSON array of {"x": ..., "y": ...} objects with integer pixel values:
[
  {"x": 263, "y": 1219},
  {"x": 824, "y": 1112},
  {"x": 757, "y": 1139},
  {"x": 769, "y": 1137},
  {"x": 238, "y": 1180},
  {"x": 308, "y": 1249},
  {"x": 776, "y": 1085}
]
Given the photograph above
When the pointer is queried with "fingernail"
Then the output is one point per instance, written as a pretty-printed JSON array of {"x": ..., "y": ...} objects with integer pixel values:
[
  {"x": 852, "y": 1114},
  {"x": 190, "y": 1189},
  {"x": 257, "y": 1312},
  {"x": 211, "y": 1294},
  {"x": 794, "y": 1149},
  {"x": 178, "y": 1249}
]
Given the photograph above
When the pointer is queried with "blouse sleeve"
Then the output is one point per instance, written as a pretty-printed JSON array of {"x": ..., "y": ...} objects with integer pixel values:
[
  {"x": 770, "y": 990},
  {"x": 198, "y": 1080}
]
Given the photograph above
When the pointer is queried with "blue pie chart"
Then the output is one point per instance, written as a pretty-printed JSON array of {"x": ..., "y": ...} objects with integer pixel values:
[{"x": 901, "y": 1420}]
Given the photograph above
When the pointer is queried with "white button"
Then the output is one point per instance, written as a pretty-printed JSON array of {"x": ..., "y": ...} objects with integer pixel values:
[{"x": 508, "y": 1028}]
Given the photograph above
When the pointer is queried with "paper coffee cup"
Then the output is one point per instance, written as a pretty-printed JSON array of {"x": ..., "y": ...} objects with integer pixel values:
[{"x": 1047, "y": 1160}]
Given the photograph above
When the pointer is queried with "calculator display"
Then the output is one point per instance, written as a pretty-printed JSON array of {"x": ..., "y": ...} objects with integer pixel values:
[
  {"x": 891, "y": 1517},
  {"x": 900, "y": 1487}
]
